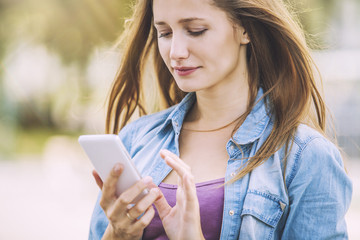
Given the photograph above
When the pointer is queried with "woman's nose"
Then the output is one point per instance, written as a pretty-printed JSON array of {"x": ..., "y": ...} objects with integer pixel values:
[{"x": 179, "y": 48}]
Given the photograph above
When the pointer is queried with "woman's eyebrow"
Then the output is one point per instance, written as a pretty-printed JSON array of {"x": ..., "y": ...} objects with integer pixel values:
[{"x": 184, "y": 20}]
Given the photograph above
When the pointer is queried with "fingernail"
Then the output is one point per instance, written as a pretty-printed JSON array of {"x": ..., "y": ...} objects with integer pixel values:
[
  {"x": 147, "y": 180},
  {"x": 117, "y": 168}
]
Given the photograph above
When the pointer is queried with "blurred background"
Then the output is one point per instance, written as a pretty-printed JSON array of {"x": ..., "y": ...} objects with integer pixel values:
[{"x": 57, "y": 62}]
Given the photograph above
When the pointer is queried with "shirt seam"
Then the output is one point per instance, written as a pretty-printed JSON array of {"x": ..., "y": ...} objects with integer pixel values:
[{"x": 298, "y": 155}]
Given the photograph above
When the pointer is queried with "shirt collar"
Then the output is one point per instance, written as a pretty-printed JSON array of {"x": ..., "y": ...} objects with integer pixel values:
[
  {"x": 252, "y": 128},
  {"x": 177, "y": 115},
  {"x": 255, "y": 123}
]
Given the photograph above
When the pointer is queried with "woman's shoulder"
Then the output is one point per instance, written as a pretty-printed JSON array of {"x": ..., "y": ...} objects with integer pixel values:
[
  {"x": 313, "y": 154},
  {"x": 306, "y": 136},
  {"x": 318, "y": 187}
]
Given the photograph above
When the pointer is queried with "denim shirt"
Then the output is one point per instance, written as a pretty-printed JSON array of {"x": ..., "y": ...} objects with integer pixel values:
[{"x": 311, "y": 205}]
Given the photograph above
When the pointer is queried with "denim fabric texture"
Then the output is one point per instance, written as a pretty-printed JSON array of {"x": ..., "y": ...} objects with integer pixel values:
[{"x": 311, "y": 205}]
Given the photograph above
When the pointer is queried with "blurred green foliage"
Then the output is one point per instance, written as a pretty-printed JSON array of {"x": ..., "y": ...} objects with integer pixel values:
[
  {"x": 315, "y": 17},
  {"x": 71, "y": 28},
  {"x": 32, "y": 141}
]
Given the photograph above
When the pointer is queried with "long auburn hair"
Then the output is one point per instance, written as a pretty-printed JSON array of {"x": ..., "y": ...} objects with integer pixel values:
[{"x": 278, "y": 58}]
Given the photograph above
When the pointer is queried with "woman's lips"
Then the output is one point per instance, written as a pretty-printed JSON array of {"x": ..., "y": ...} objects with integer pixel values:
[{"x": 184, "y": 71}]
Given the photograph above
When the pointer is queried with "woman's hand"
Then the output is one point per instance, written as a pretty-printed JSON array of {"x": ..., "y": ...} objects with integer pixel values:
[
  {"x": 124, "y": 221},
  {"x": 183, "y": 220}
]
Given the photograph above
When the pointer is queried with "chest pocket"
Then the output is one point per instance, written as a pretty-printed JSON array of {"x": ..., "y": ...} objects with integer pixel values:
[{"x": 260, "y": 215}]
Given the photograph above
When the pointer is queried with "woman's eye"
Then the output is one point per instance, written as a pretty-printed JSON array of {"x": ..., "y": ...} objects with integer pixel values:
[
  {"x": 191, "y": 33},
  {"x": 161, "y": 35},
  {"x": 197, "y": 33}
]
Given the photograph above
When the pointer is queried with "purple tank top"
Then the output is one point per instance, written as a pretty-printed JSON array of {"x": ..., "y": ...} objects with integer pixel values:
[{"x": 211, "y": 201}]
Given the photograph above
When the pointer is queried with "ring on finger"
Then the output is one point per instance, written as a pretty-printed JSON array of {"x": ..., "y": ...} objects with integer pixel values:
[{"x": 130, "y": 217}]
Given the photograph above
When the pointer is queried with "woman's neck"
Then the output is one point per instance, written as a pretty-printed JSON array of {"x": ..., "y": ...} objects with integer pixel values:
[{"x": 218, "y": 107}]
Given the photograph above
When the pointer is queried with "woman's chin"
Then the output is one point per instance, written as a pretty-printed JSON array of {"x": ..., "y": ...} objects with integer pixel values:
[
  {"x": 188, "y": 86},
  {"x": 188, "y": 89}
]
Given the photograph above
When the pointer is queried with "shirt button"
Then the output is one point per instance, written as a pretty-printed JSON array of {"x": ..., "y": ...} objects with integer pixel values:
[
  {"x": 232, "y": 147},
  {"x": 233, "y": 174},
  {"x": 176, "y": 124},
  {"x": 231, "y": 212}
]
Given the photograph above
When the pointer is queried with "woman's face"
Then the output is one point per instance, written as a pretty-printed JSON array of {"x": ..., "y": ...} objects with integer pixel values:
[{"x": 201, "y": 47}]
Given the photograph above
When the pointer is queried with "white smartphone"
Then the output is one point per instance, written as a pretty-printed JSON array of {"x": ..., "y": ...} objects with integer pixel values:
[{"x": 104, "y": 151}]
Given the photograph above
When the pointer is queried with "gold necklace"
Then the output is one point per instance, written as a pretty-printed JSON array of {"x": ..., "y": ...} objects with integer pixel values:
[{"x": 210, "y": 130}]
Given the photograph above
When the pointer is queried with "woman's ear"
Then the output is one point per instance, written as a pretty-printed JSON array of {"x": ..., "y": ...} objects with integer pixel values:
[{"x": 242, "y": 35}]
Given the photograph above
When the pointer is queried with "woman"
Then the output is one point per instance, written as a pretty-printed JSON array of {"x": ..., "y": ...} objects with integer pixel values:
[{"x": 244, "y": 153}]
